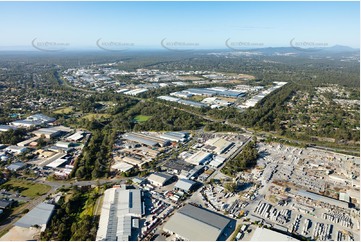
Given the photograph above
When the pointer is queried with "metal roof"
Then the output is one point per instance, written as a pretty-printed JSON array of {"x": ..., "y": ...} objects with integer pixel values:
[
  {"x": 39, "y": 215},
  {"x": 324, "y": 199},
  {"x": 159, "y": 177},
  {"x": 262, "y": 234},
  {"x": 184, "y": 184},
  {"x": 118, "y": 207},
  {"x": 197, "y": 224}
]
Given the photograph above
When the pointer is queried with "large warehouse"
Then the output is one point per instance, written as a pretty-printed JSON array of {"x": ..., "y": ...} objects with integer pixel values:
[
  {"x": 199, "y": 158},
  {"x": 198, "y": 224},
  {"x": 218, "y": 145},
  {"x": 40, "y": 215},
  {"x": 146, "y": 139},
  {"x": 160, "y": 179},
  {"x": 120, "y": 213},
  {"x": 262, "y": 234}
]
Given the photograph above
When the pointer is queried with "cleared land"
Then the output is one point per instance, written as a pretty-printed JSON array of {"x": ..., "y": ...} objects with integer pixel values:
[
  {"x": 25, "y": 188},
  {"x": 141, "y": 118},
  {"x": 92, "y": 116},
  {"x": 66, "y": 110}
]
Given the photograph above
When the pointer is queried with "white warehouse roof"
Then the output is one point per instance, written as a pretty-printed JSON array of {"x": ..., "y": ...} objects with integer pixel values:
[
  {"x": 118, "y": 206},
  {"x": 262, "y": 234},
  {"x": 184, "y": 184}
]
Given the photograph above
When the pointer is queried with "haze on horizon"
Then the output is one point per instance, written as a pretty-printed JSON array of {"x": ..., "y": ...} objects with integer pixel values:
[{"x": 202, "y": 25}]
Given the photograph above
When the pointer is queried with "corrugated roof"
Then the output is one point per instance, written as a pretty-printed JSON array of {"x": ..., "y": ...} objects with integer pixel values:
[
  {"x": 184, "y": 184},
  {"x": 159, "y": 177},
  {"x": 197, "y": 224},
  {"x": 262, "y": 234},
  {"x": 39, "y": 215},
  {"x": 118, "y": 207}
]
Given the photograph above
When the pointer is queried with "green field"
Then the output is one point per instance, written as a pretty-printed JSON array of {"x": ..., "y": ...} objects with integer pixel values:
[
  {"x": 65, "y": 110},
  {"x": 28, "y": 189},
  {"x": 141, "y": 118},
  {"x": 92, "y": 116}
]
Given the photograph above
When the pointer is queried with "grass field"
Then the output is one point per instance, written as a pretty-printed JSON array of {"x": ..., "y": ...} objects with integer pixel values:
[
  {"x": 25, "y": 188},
  {"x": 197, "y": 98},
  {"x": 65, "y": 110},
  {"x": 141, "y": 118},
  {"x": 92, "y": 116}
]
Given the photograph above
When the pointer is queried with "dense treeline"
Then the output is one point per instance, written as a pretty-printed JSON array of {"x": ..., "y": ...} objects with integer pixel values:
[
  {"x": 71, "y": 220},
  {"x": 164, "y": 118},
  {"x": 245, "y": 160},
  {"x": 12, "y": 137},
  {"x": 96, "y": 157}
]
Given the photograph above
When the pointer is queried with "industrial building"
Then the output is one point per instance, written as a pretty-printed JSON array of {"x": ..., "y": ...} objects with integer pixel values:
[
  {"x": 160, "y": 179},
  {"x": 120, "y": 214},
  {"x": 198, "y": 224},
  {"x": 63, "y": 144},
  {"x": 4, "y": 128},
  {"x": 48, "y": 133},
  {"x": 192, "y": 103},
  {"x": 122, "y": 166},
  {"x": 135, "y": 92},
  {"x": 199, "y": 158},
  {"x": 181, "y": 94},
  {"x": 16, "y": 166},
  {"x": 146, "y": 139},
  {"x": 323, "y": 199},
  {"x": 217, "y": 161},
  {"x": 76, "y": 137},
  {"x": 217, "y": 145},
  {"x": 41, "y": 118},
  {"x": 133, "y": 161},
  {"x": 175, "y": 136},
  {"x": 40, "y": 215},
  {"x": 28, "y": 141},
  {"x": 16, "y": 149},
  {"x": 185, "y": 185},
  {"x": 169, "y": 99},
  {"x": 25, "y": 123},
  {"x": 33, "y": 120},
  {"x": 263, "y": 234}
]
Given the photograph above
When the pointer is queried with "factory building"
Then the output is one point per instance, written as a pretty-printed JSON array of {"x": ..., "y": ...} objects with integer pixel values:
[
  {"x": 160, "y": 179},
  {"x": 133, "y": 161},
  {"x": 41, "y": 118},
  {"x": 199, "y": 158},
  {"x": 218, "y": 145},
  {"x": 169, "y": 99},
  {"x": 120, "y": 213},
  {"x": 76, "y": 137},
  {"x": 323, "y": 199},
  {"x": 263, "y": 234},
  {"x": 4, "y": 128},
  {"x": 217, "y": 161},
  {"x": 33, "y": 121},
  {"x": 185, "y": 185},
  {"x": 48, "y": 133},
  {"x": 175, "y": 136},
  {"x": 40, "y": 215},
  {"x": 17, "y": 150},
  {"x": 192, "y": 103},
  {"x": 146, "y": 139},
  {"x": 198, "y": 224}
]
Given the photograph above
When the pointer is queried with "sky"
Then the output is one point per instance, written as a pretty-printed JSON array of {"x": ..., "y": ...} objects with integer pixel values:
[{"x": 79, "y": 25}]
